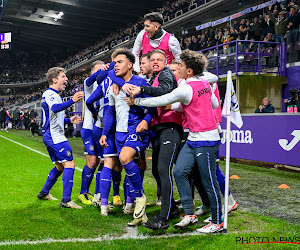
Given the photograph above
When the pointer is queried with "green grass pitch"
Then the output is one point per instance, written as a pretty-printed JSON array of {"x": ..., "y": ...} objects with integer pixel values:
[{"x": 264, "y": 209}]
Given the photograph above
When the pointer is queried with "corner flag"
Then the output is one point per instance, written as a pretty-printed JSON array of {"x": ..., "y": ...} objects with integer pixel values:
[{"x": 232, "y": 113}]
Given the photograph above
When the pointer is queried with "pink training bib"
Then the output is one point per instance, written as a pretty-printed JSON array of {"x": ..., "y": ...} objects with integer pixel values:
[
  {"x": 199, "y": 112},
  {"x": 164, "y": 46},
  {"x": 170, "y": 116}
]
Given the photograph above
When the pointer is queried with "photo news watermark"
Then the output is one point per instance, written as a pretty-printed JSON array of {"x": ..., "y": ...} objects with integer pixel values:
[{"x": 267, "y": 240}]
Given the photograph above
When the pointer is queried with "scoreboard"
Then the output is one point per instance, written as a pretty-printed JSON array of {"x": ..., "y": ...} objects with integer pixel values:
[{"x": 5, "y": 41}]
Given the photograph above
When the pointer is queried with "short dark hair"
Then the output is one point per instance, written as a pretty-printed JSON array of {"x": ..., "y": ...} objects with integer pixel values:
[
  {"x": 145, "y": 55},
  {"x": 159, "y": 51},
  {"x": 129, "y": 55},
  {"x": 154, "y": 17},
  {"x": 194, "y": 60}
]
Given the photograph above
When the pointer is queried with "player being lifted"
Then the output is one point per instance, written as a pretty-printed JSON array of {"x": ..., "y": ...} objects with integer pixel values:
[
  {"x": 131, "y": 128},
  {"x": 155, "y": 37},
  {"x": 57, "y": 144}
]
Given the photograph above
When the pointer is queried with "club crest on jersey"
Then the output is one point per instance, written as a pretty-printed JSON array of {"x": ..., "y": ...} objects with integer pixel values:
[{"x": 69, "y": 153}]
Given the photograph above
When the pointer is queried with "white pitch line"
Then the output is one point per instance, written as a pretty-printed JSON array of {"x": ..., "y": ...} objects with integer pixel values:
[
  {"x": 36, "y": 151},
  {"x": 131, "y": 234}
]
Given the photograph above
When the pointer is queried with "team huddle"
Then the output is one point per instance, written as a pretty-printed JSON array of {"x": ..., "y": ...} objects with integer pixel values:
[{"x": 173, "y": 104}]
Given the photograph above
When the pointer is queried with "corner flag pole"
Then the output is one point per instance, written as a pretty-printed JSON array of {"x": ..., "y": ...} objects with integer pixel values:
[{"x": 228, "y": 106}]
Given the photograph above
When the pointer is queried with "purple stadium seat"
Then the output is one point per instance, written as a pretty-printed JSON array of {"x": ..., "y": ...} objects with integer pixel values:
[
  {"x": 289, "y": 47},
  {"x": 297, "y": 45},
  {"x": 250, "y": 57},
  {"x": 277, "y": 50},
  {"x": 269, "y": 51}
]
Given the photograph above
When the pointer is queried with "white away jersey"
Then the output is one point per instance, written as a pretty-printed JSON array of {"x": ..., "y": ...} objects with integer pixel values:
[
  {"x": 53, "y": 123},
  {"x": 88, "y": 121}
]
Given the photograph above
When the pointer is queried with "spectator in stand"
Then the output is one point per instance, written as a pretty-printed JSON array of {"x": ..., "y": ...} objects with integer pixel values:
[
  {"x": 267, "y": 26},
  {"x": 253, "y": 46},
  {"x": 235, "y": 25},
  {"x": 243, "y": 23},
  {"x": 188, "y": 43},
  {"x": 280, "y": 25},
  {"x": 256, "y": 28},
  {"x": 242, "y": 32},
  {"x": 219, "y": 38},
  {"x": 195, "y": 44},
  {"x": 293, "y": 25},
  {"x": 249, "y": 33},
  {"x": 268, "y": 38},
  {"x": 202, "y": 42},
  {"x": 232, "y": 37},
  {"x": 266, "y": 107},
  {"x": 210, "y": 43}
]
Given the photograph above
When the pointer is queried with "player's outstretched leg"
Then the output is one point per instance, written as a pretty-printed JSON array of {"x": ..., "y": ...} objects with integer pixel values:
[{"x": 51, "y": 180}]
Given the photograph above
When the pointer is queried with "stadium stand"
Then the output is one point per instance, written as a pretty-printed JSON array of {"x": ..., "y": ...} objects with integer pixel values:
[
  {"x": 245, "y": 44},
  {"x": 257, "y": 26}
]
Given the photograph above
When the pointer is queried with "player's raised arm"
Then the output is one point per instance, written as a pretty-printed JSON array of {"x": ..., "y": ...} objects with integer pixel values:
[{"x": 97, "y": 94}]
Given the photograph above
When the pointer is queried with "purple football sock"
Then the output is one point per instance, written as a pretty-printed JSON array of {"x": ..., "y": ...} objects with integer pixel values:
[
  {"x": 97, "y": 187},
  {"x": 105, "y": 183},
  {"x": 51, "y": 179},
  {"x": 67, "y": 180},
  {"x": 158, "y": 192},
  {"x": 86, "y": 176},
  {"x": 221, "y": 179},
  {"x": 133, "y": 173},
  {"x": 116, "y": 177}
]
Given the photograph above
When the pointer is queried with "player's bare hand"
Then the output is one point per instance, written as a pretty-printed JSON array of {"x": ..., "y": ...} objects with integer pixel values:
[
  {"x": 104, "y": 66},
  {"x": 135, "y": 91},
  {"x": 166, "y": 108},
  {"x": 129, "y": 101},
  {"x": 128, "y": 88},
  {"x": 78, "y": 96},
  {"x": 142, "y": 127},
  {"x": 116, "y": 89},
  {"x": 103, "y": 142},
  {"x": 75, "y": 119}
]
